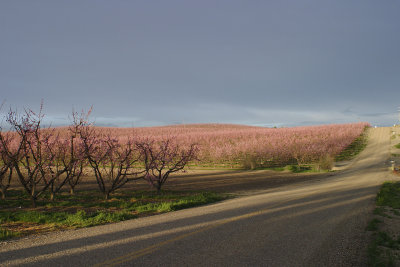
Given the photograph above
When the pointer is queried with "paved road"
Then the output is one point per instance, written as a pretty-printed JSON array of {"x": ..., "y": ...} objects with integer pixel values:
[{"x": 315, "y": 223}]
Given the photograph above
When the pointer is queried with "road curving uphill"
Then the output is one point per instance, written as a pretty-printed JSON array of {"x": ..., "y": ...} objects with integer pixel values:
[{"x": 320, "y": 222}]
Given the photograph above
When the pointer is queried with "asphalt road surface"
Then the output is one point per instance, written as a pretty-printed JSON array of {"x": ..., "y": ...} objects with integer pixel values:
[{"x": 315, "y": 223}]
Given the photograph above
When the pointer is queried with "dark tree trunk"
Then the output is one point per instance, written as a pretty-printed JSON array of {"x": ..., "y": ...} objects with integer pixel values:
[
  {"x": 33, "y": 202},
  {"x": 3, "y": 193}
]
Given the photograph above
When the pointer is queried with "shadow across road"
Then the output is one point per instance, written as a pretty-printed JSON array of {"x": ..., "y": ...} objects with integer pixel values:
[{"x": 136, "y": 236}]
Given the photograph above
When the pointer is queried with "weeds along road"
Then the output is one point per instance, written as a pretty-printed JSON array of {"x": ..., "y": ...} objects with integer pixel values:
[{"x": 315, "y": 223}]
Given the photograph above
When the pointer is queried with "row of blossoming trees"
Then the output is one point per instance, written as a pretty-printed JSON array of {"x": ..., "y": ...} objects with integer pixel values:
[
  {"x": 231, "y": 145},
  {"x": 47, "y": 159}
]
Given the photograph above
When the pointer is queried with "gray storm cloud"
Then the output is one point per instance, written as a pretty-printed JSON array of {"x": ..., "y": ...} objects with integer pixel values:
[{"x": 266, "y": 63}]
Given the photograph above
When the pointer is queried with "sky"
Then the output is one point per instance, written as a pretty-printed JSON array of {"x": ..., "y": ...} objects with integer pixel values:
[{"x": 144, "y": 63}]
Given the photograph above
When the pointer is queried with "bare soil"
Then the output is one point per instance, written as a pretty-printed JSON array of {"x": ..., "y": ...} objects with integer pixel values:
[{"x": 223, "y": 181}]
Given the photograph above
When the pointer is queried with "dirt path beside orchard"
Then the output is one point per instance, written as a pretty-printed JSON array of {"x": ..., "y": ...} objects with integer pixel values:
[
  {"x": 238, "y": 182},
  {"x": 241, "y": 182}
]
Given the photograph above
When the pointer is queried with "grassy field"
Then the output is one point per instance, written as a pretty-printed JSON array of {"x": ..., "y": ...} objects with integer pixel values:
[
  {"x": 384, "y": 249},
  {"x": 88, "y": 208}
]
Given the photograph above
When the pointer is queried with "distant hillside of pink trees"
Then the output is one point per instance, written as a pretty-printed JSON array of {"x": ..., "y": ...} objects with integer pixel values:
[
  {"x": 226, "y": 144},
  {"x": 47, "y": 159}
]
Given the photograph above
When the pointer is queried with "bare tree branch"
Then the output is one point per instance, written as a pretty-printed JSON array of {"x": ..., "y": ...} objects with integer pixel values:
[
  {"x": 163, "y": 158},
  {"x": 114, "y": 163}
]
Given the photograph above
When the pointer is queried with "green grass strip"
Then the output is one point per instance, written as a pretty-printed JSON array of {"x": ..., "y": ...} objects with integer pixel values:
[
  {"x": 89, "y": 208},
  {"x": 354, "y": 148},
  {"x": 389, "y": 195},
  {"x": 6, "y": 234},
  {"x": 382, "y": 249}
]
